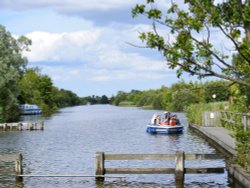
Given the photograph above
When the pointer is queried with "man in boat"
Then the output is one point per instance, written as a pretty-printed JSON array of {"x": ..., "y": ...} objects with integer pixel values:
[{"x": 167, "y": 118}]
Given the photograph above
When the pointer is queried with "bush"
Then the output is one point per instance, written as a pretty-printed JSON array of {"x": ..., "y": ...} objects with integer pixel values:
[
  {"x": 126, "y": 103},
  {"x": 194, "y": 111}
]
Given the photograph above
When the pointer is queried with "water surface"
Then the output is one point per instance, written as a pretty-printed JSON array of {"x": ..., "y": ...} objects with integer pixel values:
[{"x": 73, "y": 136}]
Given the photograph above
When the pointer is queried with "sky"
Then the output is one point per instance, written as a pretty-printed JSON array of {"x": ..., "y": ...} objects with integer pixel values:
[{"x": 83, "y": 45}]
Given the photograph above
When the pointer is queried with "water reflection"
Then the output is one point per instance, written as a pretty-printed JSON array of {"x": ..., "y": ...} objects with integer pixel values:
[{"x": 30, "y": 118}]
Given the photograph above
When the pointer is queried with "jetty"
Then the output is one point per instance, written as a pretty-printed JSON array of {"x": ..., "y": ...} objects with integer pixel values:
[{"x": 20, "y": 126}]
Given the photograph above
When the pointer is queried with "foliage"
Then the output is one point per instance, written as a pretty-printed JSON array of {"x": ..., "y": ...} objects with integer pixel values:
[
  {"x": 96, "y": 100},
  {"x": 242, "y": 138},
  {"x": 194, "y": 111},
  {"x": 243, "y": 147},
  {"x": 176, "y": 98},
  {"x": 217, "y": 88},
  {"x": 19, "y": 85},
  {"x": 126, "y": 103},
  {"x": 38, "y": 89},
  {"x": 191, "y": 45},
  {"x": 12, "y": 66},
  {"x": 64, "y": 98}
]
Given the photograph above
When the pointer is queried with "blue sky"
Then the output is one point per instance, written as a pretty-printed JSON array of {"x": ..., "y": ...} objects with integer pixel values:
[{"x": 82, "y": 44}]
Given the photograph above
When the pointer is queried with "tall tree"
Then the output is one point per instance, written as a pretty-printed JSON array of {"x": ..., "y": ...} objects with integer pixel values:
[
  {"x": 38, "y": 89},
  {"x": 12, "y": 65},
  {"x": 194, "y": 28}
]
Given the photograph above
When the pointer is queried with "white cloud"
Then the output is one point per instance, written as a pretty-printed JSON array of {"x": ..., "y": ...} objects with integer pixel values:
[
  {"x": 60, "y": 46},
  {"x": 99, "y": 48},
  {"x": 66, "y": 4}
]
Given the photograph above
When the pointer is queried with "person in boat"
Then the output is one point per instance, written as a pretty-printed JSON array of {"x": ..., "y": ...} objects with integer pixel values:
[
  {"x": 167, "y": 118},
  {"x": 156, "y": 119},
  {"x": 174, "y": 120}
]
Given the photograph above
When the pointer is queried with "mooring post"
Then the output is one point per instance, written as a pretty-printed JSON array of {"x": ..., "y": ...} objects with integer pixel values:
[
  {"x": 99, "y": 166},
  {"x": 179, "y": 169},
  {"x": 42, "y": 125},
  {"x": 5, "y": 127},
  {"x": 20, "y": 126},
  {"x": 19, "y": 167}
]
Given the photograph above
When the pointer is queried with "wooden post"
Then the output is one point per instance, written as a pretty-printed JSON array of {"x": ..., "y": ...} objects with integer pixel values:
[
  {"x": 244, "y": 122},
  {"x": 5, "y": 127},
  {"x": 179, "y": 169},
  {"x": 99, "y": 166},
  {"x": 19, "y": 167},
  {"x": 20, "y": 126},
  {"x": 42, "y": 125}
]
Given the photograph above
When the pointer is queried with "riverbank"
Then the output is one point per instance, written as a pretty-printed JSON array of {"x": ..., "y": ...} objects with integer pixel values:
[{"x": 222, "y": 140}]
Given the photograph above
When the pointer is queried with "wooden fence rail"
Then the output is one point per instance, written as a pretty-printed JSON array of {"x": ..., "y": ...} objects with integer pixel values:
[
  {"x": 179, "y": 169},
  {"x": 16, "y": 170},
  {"x": 39, "y": 125},
  {"x": 232, "y": 119},
  {"x": 226, "y": 119}
]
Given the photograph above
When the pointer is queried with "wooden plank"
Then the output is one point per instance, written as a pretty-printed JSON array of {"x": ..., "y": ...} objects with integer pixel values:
[
  {"x": 8, "y": 157},
  {"x": 99, "y": 166},
  {"x": 19, "y": 167},
  {"x": 203, "y": 156},
  {"x": 139, "y": 156},
  {"x": 139, "y": 170},
  {"x": 204, "y": 170},
  {"x": 7, "y": 172},
  {"x": 68, "y": 175},
  {"x": 179, "y": 168}
]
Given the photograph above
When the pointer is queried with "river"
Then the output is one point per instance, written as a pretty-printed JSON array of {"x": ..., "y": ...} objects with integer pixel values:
[{"x": 73, "y": 135}]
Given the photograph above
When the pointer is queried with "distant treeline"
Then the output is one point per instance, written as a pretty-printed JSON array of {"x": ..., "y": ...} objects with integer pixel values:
[{"x": 177, "y": 97}]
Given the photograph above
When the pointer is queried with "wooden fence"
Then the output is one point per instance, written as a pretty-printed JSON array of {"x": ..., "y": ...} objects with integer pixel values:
[
  {"x": 15, "y": 168},
  {"x": 179, "y": 170},
  {"x": 22, "y": 126},
  {"x": 12, "y": 165},
  {"x": 210, "y": 119},
  {"x": 232, "y": 119},
  {"x": 226, "y": 119}
]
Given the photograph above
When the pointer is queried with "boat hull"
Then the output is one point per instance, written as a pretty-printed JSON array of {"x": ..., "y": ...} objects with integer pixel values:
[
  {"x": 29, "y": 109},
  {"x": 31, "y": 112},
  {"x": 164, "y": 129}
]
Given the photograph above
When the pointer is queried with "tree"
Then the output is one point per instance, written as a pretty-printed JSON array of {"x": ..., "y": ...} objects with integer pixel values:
[
  {"x": 29, "y": 87},
  {"x": 37, "y": 89},
  {"x": 218, "y": 88},
  {"x": 104, "y": 100},
  {"x": 12, "y": 66},
  {"x": 191, "y": 45}
]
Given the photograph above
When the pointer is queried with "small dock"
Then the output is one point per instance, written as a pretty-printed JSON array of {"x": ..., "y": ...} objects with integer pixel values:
[{"x": 20, "y": 126}]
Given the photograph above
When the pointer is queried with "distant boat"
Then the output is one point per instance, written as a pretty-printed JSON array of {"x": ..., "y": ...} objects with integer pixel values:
[{"x": 30, "y": 109}]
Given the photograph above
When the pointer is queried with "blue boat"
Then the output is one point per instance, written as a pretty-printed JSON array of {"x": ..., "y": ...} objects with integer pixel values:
[
  {"x": 158, "y": 127},
  {"x": 30, "y": 109},
  {"x": 164, "y": 129}
]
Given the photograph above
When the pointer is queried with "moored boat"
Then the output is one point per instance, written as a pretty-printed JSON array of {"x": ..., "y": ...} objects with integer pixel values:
[{"x": 30, "y": 109}]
